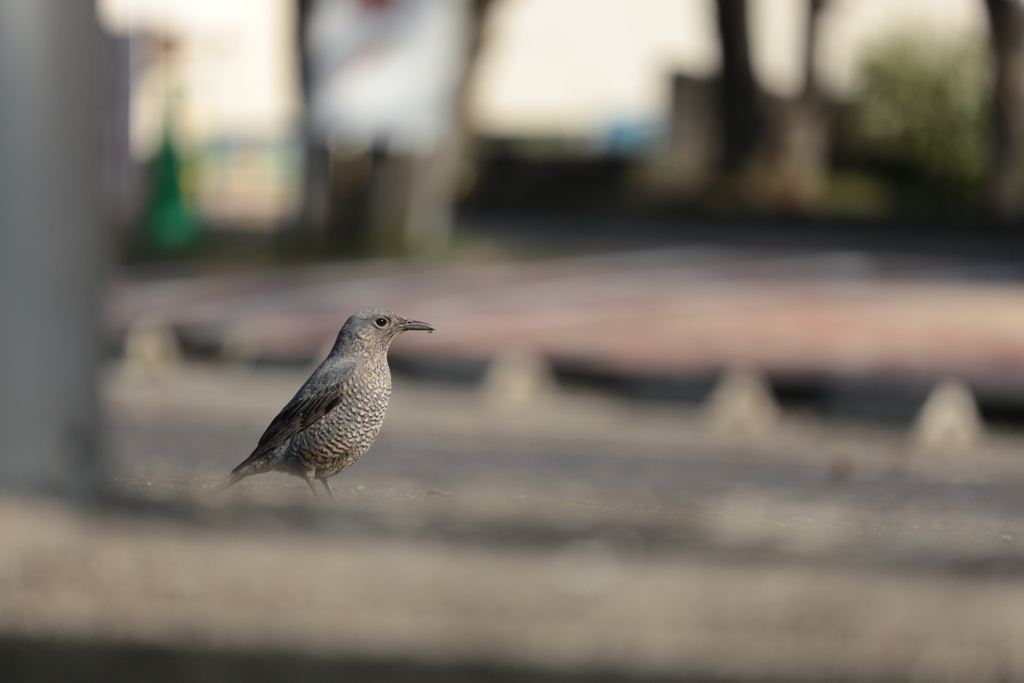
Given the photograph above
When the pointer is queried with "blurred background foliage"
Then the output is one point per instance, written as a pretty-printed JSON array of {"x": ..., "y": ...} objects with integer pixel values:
[{"x": 921, "y": 121}]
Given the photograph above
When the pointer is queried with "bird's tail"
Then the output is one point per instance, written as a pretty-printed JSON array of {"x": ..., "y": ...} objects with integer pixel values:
[{"x": 233, "y": 479}]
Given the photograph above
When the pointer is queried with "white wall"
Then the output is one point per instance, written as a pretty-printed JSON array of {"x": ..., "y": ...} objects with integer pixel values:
[
  {"x": 572, "y": 66},
  {"x": 235, "y": 70}
]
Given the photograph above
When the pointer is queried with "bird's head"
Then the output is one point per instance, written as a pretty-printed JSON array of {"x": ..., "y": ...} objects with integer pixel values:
[{"x": 375, "y": 328}]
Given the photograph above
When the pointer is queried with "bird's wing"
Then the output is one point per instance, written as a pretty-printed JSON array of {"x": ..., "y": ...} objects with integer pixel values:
[{"x": 303, "y": 411}]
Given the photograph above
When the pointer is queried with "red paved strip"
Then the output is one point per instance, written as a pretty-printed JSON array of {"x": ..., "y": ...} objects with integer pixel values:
[{"x": 653, "y": 312}]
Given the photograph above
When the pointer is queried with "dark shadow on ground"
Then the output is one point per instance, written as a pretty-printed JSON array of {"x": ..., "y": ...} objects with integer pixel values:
[{"x": 46, "y": 661}]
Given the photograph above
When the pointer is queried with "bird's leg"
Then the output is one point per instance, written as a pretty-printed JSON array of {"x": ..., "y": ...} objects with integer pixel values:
[
  {"x": 310, "y": 476},
  {"x": 327, "y": 485}
]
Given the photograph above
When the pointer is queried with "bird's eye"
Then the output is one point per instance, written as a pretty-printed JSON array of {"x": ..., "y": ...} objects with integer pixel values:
[{"x": 381, "y": 322}]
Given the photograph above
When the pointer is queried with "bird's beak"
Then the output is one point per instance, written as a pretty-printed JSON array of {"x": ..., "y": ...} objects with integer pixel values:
[{"x": 415, "y": 325}]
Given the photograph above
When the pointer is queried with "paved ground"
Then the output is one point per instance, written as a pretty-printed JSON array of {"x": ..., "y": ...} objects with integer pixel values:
[
  {"x": 445, "y": 447},
  {"x": 584, "y": 539}
]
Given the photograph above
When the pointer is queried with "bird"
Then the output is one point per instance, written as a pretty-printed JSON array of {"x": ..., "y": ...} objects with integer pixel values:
[{"x": 336, "y": 414}]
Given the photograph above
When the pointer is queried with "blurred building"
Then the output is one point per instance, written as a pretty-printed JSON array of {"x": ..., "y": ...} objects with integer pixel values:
[{"x": 223, "y": 77}]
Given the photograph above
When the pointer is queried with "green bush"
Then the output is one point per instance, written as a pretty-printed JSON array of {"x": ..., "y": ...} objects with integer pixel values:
[{"x": 922, "y": 115}]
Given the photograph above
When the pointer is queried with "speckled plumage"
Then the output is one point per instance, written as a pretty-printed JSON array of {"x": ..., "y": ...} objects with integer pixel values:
[{"x": 334, "y": 418}]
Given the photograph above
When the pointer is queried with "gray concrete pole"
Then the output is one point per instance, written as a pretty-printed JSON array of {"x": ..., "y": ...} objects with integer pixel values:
[{"x": 50, "y": 247}]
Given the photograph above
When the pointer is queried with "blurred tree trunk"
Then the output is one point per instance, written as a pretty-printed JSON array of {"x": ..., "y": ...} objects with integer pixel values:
[
  {"x": 742, "y": 118},
  {"x": 480, "y": 12},
  {"x": 314, "y": 209},
  {"x": 792, "y": 160},
  {"x": 376, "y": 201},
  {"x": 811, "y": 89},
  {"x": 439, "y": 178},
  {"x": 1007, "y": 21}
]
